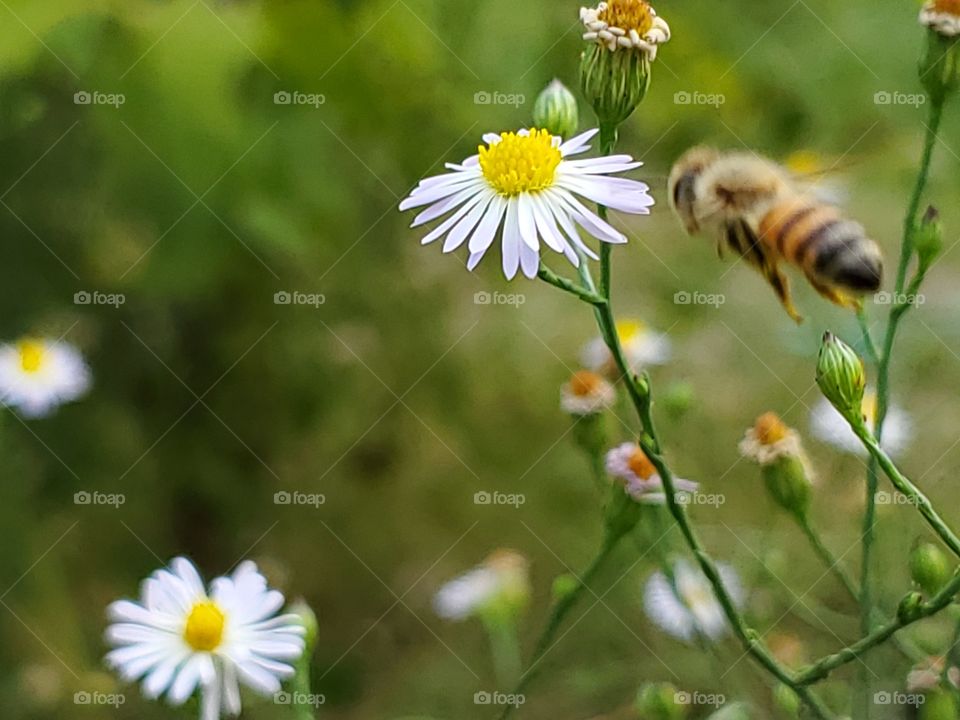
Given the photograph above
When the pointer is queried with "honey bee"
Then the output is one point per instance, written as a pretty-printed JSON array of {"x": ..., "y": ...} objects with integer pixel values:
[{"x": 758, "y": 209}]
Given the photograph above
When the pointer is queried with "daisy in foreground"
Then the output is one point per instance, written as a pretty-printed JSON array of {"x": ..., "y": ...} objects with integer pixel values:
[
  {"x": 685, "y": 607},
  {"x": 37, "y": 375},
  {"x": 523, "y": 187},
  {"x": 829, "y": 426},
  {"x": 179, "y": 637},
  {"x": 628, "y": 464}
]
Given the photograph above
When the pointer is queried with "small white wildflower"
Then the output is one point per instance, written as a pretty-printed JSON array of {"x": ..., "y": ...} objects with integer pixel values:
[
  {"x": 587, "y": 393},
  {"x": 686, "y": 608},
  {"x": 631, "y": 466},
  {"x": 501, "y": 580},
  {"x": 625, "y": 25},
  {"x": 642, "y": 347},
  {"x": 37, "y": 375},
  {"x": 943, "y": 16},
  {"x": 829, "y": 426}
]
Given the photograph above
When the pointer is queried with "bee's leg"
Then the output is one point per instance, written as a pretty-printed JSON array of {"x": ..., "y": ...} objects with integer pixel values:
[
  {"x": 781, "y": 286},
  {"x": 837, "y": 297}
]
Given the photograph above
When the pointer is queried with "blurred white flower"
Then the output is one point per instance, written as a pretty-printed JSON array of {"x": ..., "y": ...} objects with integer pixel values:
[
  {"x": 686, "y": 608},
  {"x": 501, "y": 582},
  {"x": 524, "y": 182},
  {"x": 942, "y": 16},
  {"x": 587, "y": 393},
  {"x": 628, "y": 24},
  {"x": 771, "y": 439},
  {"x": 829, "y": 426},
  {"x": 179, "y": 637},
  {"x": 630, "y": 465},
  {"x": 641, "y": 347},
  {"x": 37, "y": 375}
]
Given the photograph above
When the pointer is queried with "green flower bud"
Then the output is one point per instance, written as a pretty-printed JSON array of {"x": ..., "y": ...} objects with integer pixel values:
[
  {"x": 564, "y": 585},
  {"x": 661, "y": 701},
  {"x": 555, "y": 110},
  {"x": 928, "y": 238},
  {"x": 788, "y": 484},
  {"x": 929, "y": 567},
  {"x": 678, "y": 398},
  {"x": 939, "y": 705},
  {"x": 787, "y": 700},
  {"x": 909, "y": 607},
  {"x": 841, "y": 377},
  {"x": 614, "y": 82}
]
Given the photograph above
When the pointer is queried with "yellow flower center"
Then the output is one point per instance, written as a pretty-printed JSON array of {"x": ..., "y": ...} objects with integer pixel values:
[
  {"x": 770, "y": 429},
  {"x": 32, "y": 355},
  {"x": 630, "y": 330},
  {"x": 520, "y": 164},
  {"x": 204, "y": 629},
  {"x": 628, "y": 15},
  {"x": 640, "y": 465},
  {"x": 951, "y": 7},
  {"x": 585, "y": 383}
]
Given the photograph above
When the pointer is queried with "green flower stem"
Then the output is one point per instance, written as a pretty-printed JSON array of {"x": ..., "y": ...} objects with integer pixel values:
[
  {"x": 897, "y": 311},
  {"x": 869, "y": 345},
  {"x": 822, "y": 668},
  {"x": 300, "y": 685},
  {"x": 828, "y": 558},
  {"x": 560, "y": 610},
  {"x": 505, "y": 650},
  {"x": 569, "y": 286},
  {"x": 906, "y": 487}
]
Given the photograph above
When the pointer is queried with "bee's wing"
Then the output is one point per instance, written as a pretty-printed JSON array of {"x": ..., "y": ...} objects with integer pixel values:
[{"x": 819, "y": 178}]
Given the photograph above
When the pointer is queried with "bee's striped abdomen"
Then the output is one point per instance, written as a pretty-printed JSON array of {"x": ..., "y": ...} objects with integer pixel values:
[{"x": 827, "y": 247}]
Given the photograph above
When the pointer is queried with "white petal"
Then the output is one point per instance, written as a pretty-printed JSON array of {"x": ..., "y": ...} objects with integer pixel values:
[
  {"x": 529, "y": 261},
  {"x": 452, "y": 220},
  {"x": 487, "y": 229},
  {"x": 464, "y": 227},
  {"x": 527, "y": 221},
  {"x": 577, "y": 144},
  {"x": 511, "y": 241}
]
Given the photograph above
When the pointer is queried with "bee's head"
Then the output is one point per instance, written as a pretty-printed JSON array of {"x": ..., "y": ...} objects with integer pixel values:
[{"x": 682, "y": 182}]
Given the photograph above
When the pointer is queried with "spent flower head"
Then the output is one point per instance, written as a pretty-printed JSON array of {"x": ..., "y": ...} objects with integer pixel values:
[
  {"x": 181, "y": 637},
  {"x": 783, "y": 463},
  {"x": 522, "y": 186},
  {"x": 615, "y": 68},
  {"x": 629, "y": 464},
  {"x": 587, "y": 393},
  {"x": 497, "y": 589},
  {"x": 941, "y": 16}
]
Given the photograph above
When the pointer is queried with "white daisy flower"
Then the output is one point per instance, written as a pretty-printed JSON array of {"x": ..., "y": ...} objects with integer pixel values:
[
  {"x": 686, "y": 608},
  {"x": 627, "y": 24},
  {"x": 630, "y": 465},
  {"x": 829, "y": 426},
  {"x": 587, "y": 393},
  {"x": 502, "y": 578},
  {"x": 179, "y": 637},
  {"x": 942, "y": 16},
  {"x": 525, "y": 183},
  {"x": 642, "y": 347},
  {"x": 37, "y": 375}
]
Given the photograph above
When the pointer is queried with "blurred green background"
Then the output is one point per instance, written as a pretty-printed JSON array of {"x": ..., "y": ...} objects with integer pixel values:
[{"x": 199, "y": 198}]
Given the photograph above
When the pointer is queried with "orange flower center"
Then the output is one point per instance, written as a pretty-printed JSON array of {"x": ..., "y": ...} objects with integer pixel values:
[
  {"x": 640, "y": 465},
  {"x": 770, "y": 429},
  {"x": 585, "y": 383},
  {"x": 628, "y": 15},
  {"x": 947, "y": 6}
]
